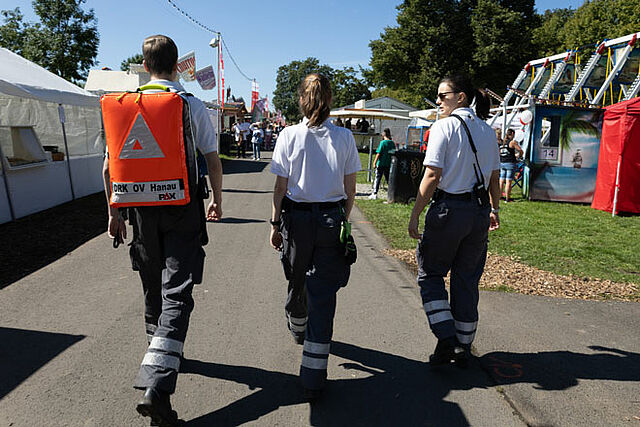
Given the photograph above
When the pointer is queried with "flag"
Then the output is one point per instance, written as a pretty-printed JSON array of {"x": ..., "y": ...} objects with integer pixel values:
[
  {"x": 222, "y": 77},
  {"x": 206, "y": 77},
  {"x": 187, "y": 66},
  {"x": 254, "y": 93}
]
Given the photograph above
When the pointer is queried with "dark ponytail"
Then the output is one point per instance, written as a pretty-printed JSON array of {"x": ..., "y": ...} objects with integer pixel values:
[{"x": 462, "y": 83}]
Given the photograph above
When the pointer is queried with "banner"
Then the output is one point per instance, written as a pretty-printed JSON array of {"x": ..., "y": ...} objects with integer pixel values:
[
  {"x": 206, "y": 77},
  {"x": 254, "y": 93},
  {"x": 222, "y": 78},
  {"x": 187, "y": 66}
]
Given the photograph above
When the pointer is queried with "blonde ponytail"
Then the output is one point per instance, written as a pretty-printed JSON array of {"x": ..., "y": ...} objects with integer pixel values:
[{"x": 315, "y": 98}]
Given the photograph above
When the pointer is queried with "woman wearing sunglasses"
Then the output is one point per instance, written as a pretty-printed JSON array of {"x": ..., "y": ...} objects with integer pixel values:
[{"x": 462, "y": 166}]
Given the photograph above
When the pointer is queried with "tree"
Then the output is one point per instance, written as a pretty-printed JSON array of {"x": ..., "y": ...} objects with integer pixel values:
[
  {"x": 135, "y": 59},
  {"x": 502, "y": 35},
  {"x": 399, "y": 94},
  {"x": 431, "y": 41},
  {"x": 549, "y": 38},
  {"x": 65, "y": 41},
  {"x": 346, "y": 86},
  {"x": 599, "y": 19}
]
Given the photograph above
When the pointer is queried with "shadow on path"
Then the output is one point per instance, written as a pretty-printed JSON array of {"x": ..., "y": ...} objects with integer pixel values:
[
  {"x": 392, "y": 388},
  {"x": 23, "y": 352},
  {"x": 37, "y": 240},
  {"x": 560, "y": 370},
  {"x": 400, "y": 391},
  {"x": 243, "y": 166}
]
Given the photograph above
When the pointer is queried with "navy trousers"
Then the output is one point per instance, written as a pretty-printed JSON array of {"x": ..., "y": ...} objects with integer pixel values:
[
  {"x": 317, "y": 270},
  {"x": 167, "y": 252},
  {"x": 454, "y": 239}
]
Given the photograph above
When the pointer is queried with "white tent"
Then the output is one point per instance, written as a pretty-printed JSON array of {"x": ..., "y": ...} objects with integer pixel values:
[{"x": 51, "y": 147}]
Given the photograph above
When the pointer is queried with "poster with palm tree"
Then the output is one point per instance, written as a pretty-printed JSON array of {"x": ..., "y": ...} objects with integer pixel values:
[{"x": 566, "y": 142}]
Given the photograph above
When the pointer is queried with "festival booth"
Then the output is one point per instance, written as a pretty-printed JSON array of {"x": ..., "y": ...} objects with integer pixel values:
[
  {"x": 51, "y": 149},
  {"x": 421, "y": 122},
  {"x": 618, "y": 180}
]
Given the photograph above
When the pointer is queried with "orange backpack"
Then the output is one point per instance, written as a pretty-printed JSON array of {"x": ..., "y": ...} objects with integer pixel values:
[{"x": 151, "y": 149}]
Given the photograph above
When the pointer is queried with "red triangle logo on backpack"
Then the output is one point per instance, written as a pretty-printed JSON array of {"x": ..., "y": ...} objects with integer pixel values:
[{"x": 137, "y": 146}]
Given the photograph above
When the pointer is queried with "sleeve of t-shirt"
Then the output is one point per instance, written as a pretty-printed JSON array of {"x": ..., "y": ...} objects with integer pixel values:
[
  {"x": 437, "y": 146},
  {"x": 279, "y": 159},
  {"x": 353, "y": 158},
  {"x": 203, "y": 129}
]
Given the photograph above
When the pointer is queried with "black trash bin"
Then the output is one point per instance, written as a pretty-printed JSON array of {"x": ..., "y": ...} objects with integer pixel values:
[
  {"x": 226, "y": 140},
  {"x": 405, "y": 176}
]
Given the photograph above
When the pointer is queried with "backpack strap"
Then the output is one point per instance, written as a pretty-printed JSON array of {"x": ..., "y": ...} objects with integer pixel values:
[{"x": 479, "y": 178}]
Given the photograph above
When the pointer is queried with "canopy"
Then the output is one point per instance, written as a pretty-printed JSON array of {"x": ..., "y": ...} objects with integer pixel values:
[
  {"x": 619, "y": 158},
  {"x": 375, "y": 114},
  {"x": 22, "y": 78}
]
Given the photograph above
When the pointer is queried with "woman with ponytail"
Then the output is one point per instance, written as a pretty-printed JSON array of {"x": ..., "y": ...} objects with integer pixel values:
[
  {"x": 462, "y": 181},
  {"x": 315, "y": 163}
]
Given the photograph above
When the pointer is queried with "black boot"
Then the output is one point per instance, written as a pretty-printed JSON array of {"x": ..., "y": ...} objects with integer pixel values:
[
  {"x": 156, "y": 405},
  {"x": 446, "y": 352}
]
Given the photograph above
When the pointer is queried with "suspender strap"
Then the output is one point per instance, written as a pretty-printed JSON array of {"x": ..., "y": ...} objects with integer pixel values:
[{"x": 479, "y": 178}]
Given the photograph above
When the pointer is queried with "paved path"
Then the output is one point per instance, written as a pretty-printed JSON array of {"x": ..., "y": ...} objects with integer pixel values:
[{"x": 72, "y": 337}]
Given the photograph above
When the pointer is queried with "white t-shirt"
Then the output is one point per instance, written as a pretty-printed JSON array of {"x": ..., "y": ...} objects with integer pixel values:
[
  {"x": 450, "y": 150},
  {"x": 242, "y": 129},
  {"x": 315, "y": 160}
]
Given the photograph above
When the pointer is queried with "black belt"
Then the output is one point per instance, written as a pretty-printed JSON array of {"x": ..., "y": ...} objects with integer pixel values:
[
  {"x": 305, "y": 206},
  {"x": 440, "y": 194}
]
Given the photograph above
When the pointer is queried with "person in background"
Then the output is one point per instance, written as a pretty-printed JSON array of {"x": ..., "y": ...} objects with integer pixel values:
[
  {"x": 243, "y": 131},
  {"x": 347, "y": 123},
  {"x": 339, "y": 123},
  {"x": 257, "y": 138},
  {"x": 463, "y": 186},
  {"x": 510, "y": 151},
  {"x": 315, "y": 163},
  {"x": 382, "y": 161},
  {"x": 268, "y": 137}
]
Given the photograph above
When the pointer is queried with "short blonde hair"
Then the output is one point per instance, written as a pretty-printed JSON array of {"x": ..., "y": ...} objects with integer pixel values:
[{"x": 315, "y": 98}]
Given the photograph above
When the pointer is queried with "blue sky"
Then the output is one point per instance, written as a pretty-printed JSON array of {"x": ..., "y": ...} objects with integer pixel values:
[{"x": 261, "y": 35}]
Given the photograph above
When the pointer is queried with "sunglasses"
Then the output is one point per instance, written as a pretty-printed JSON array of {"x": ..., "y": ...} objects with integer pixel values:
[{"x": 443, "y": 95}]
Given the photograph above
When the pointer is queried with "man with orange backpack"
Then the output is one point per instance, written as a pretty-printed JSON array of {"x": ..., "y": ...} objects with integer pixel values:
[{"x": 150, "y": 172}]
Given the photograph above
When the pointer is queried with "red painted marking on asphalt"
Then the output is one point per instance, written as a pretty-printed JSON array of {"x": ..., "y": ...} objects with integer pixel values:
[{"x": 513, "y": 370}]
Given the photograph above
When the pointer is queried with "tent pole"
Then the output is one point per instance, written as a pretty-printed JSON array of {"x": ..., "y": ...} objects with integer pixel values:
[
  {"x": 66, "y": 148},
  {"x": 370, "y": 156},
  {"x": 615, "y": 192},
  {"x": 5, "y": 179}
]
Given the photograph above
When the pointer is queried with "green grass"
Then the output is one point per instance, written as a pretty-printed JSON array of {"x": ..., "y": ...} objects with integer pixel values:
[
  {"x": 562, "y": 238},
  {"x": 361, "y": 177}
]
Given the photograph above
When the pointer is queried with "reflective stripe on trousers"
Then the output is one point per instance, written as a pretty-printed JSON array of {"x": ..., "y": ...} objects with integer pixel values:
[
  {"x": 318, "y": 269},
  {"x": 454, "y": 240}
]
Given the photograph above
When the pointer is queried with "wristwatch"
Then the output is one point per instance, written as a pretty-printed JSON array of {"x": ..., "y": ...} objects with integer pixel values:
[
  {"x": 278, "y": 222},
  {"x": 495, "y": 210}
]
